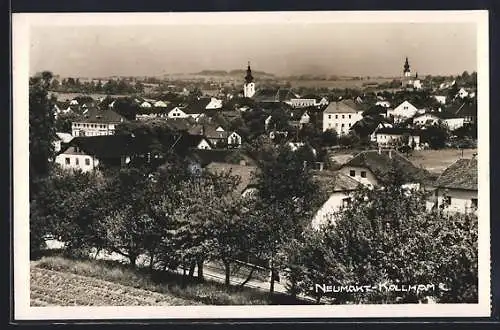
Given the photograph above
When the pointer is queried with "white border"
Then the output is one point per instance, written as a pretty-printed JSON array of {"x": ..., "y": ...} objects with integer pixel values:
[{"x": 21, "y": 41}]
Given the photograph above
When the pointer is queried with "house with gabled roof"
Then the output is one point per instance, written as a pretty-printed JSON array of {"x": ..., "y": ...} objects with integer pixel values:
[
  {"x": 341, "y": 116},
  {"x": 94, "y": 122},
  {"x": 372, "y": 168},
  {"x": 456, "y": 189},
  {"x": 391, "y": 136},
  {"x": 243, "y": 172},
  {"x": 467, "y": 111},
  {"x": 403, "y": 111},
  {"x": 339, "y": 188}
]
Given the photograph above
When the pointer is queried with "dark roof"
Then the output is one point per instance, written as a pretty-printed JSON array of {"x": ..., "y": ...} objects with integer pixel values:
[
  {"x": 341, "y": 107},
  {"x": 196, "y": 106},
  {"x": 380, "y": 164},
  {"x": 467, "y": 109},
  {"x": 209, "y": 131},
  {"x": 332, "y": 181},
  {"x": 460, "y": 175},
  {"x": 108, "y": 146},
  {"x": 95, "y": 115},
  {"x": 285, "y": 94},
  {"x": 398, "y": 131}
]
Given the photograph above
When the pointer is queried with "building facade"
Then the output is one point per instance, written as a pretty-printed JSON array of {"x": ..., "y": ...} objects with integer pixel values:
[
  {"x": 249, "y": 86},
  {"x": 340, "y": 117}
]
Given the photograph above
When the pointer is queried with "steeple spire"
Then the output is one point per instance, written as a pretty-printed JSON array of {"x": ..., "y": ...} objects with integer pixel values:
[
  {"x": 249, "y": 77},
  {"x": 406, "y": 66}
]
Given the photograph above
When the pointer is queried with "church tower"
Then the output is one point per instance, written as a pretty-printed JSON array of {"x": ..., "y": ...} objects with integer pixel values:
[
  {"x": 249, "y": 86},
  {"x": 406, "y": 69}
]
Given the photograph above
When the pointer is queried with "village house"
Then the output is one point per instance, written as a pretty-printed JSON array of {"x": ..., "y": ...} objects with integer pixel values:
[
  {"x": 340, "y": 116},
  {"x": 60, "y": 140},
  {"x": 404, "y": 111},
  {"x": 426, "y": 119},
  {"x": 372, "y": 168},
  {"x": 339, "y": 189},
  {"x": 383, "y": 103},
  {"x": 462, "y": 93},
  {"x": 456, "y": 188},
  {"x": 96, "y": 122},
  {"x": 440, "y": 98},
  {"x": 392, "y": 136},
  {"x": 308, "y": 101},
  {"x": 160, "y": 104}
]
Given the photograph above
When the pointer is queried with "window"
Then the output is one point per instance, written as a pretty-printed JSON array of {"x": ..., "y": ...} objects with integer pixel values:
[
  {"x": 346, "y": 201},
  {"x": 349, "y": 124},
  {"x": 352, "y": 172},
  {"x": 474, "y": 203},
  {"x": 329, "y": 116},
  {"x": 336, "y": 125},
  {"x": 447, "y": 200},
  {"x": 363, "y": 174},
  {"x": 342, "y": 116},
  {"x": 68, "y": 161},
  {"x": 77, "y": 161},
  {"x": 336, "y": 116},
  {"x": 87, "y": 161},
  {"x": 343, "y": 125},
  {"x": 349, "y": 116}
]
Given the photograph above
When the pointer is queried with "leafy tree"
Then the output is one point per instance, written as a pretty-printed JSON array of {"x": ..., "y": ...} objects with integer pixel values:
[
  {"x": 41, "y": 122},
  {"x": 285, "y": 200},
  {"x": 126, "y": 107},
  {"x": 64, "y": 121},
  {"x": 436, "y": 136},
  {"x": 330, "y": 138}
]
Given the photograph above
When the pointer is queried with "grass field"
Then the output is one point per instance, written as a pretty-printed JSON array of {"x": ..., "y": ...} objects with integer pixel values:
[
  {"x": 65, "y": 282},
  {"x": 436, "y": 161}
]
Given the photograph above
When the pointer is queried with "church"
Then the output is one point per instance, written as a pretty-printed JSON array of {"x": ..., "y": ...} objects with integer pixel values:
[
  {"x": 407, "y": 81},
  {"x": 249, "y": 86}
]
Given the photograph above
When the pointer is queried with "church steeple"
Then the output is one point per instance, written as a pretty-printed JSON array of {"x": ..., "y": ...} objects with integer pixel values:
[
  {"x": 248, "y": 77},
  {"x": 406, "y": 66}
]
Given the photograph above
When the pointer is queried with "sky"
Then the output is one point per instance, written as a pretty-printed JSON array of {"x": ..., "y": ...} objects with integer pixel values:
[{"x": 360, "y": 49}]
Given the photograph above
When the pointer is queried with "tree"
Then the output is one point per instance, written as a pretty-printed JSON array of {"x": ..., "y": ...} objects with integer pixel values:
[
  {"x": 41, "y": 122},
  {"x": 330, "y": 137},
  {"x": 126, "y": 107},
  {"x": 285, "y": 202},
  {"x": 436, "y": 136}
]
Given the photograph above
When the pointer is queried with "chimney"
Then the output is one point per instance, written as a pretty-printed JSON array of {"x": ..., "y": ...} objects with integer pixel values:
[
  {"x": 390, "y": 153},
  {"x": 379, "y": 150}
]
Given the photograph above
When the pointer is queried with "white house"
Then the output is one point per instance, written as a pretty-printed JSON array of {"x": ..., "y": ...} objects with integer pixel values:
[
  {"x": 440, "y": 98},
  {"x": 340, "y": 188},
  {"x": 214, "y": 104},
  {"x": 95, "y": 122},
  {"x": 380, "y": 125},
  {"x": 73, "y": 102},
  {"x": 234, "y": 140},
  {"x": 454, "y": 123},
  {"x": 462, "y": 93},
  {"x": 177, "y": 112},
  {"x": 145, "y": 104},
  {"x": 390, "y": 136},
  {"x": 456, "y": 188},
  {"x": 385, "y": 104},
  {"x": 60, "y": 139},
  {"x": 403, "y": 111},
  {"x": 160, "y": 104},
  {"x": 340, "y": 116}
]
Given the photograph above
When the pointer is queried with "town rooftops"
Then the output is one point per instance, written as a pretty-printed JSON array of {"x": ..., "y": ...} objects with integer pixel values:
[
  {"x": 205, "y": 157},
  {"x": 341, "y": 107},
  {"x": 380, "y": 163},
  {"x": 460, "y": 175},
  {"x": 94, "y": 115}
]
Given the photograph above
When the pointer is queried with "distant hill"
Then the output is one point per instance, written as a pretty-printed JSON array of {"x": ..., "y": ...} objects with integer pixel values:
[{"x": 231, "y": 73}]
